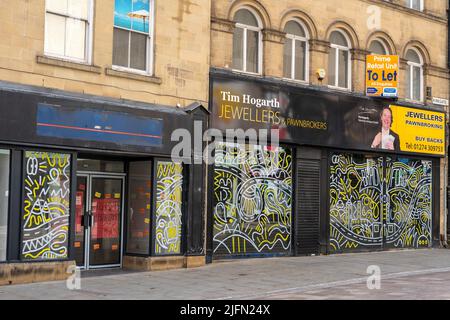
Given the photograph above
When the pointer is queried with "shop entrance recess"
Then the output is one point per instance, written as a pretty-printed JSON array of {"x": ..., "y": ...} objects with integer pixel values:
[{"x": 99, "y": 220}]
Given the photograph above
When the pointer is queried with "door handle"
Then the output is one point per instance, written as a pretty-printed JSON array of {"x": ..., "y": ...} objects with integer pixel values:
[
  {"x": 92, "y": 219},
  {"x": 88, "y": 219}
]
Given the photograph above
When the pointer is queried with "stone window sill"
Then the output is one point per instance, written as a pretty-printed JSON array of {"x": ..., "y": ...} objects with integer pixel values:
[
  {"x": 132, "y": 76},
  {"x": 68, "y": 64}
]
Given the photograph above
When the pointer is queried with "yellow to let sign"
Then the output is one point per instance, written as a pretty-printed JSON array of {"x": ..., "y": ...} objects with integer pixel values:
[
  {"x": 419, "y": 131},
  {"x": 382, "y": 76}
]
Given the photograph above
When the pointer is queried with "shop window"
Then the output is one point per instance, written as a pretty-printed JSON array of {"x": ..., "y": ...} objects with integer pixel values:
[
  {"x": 296, "y": 52},
  {"x": 139, "y": 206},
  {"x": 252, "y": 200},
  {"x": 414, "y": 76},
  {"x": 46, "y": 205},
  {"x": 132, "y": 43},
  {"x": 409, "y": 203},
  {"x": 4, "y": 196},
  {"x": 355, "y": 202},
  {"x": 169, "y": 208},
  {"x": 379, "y": 203},
  {"x": 68, "y": 29},
  {"x": 247, "y": 45},
  {"x": 339, "y": 58}
]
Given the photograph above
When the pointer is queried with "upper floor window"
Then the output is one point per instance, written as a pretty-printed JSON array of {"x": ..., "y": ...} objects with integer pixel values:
[
  {"x": 68, "y": 25},
  {"x": 414, "y": 76},
  {"x": 296, "y": 52},
  {"x": 247, "y": 45},
  {"x": 415, "y": 4},
  {"x": 339, "y": 68},
  {"x": 378, "y": 47},
  {"x": 132, "y": 45}
]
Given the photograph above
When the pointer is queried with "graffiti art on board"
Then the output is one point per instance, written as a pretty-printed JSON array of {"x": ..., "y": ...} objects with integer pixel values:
[
  {"x": 168, "y": 222},
  {"x": 409, "y": 203},
  {"x": 46, "y": 207},
  {"x": 253, "y": 200},
  {"x": 379, "y": 202},
  {"x": 355, "y": 202}
]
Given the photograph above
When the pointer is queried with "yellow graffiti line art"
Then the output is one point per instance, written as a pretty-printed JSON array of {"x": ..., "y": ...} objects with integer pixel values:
[
  {"x": 232, "y": 245},
  {"x": 28, "y": 183},
  {"x": 35, "y": 188},
  {"x": 26, "y": 208},
  {"x": 351, "y": 245},
  {"x": 408, "y": 240},
  {"x": 62, "y": 161},
  {"x": 57, "y": 209},
  {"x": 34, "y": 221},
  {"x": 37, "y": 255},
  {"x": 45, "y": 156},
  {"x": 239, "y": 244},
  {"x": 276, "y": 238}
]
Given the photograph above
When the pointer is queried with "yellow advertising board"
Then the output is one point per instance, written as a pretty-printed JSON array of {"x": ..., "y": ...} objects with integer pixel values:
[
  {"x": 419, "y": 131},
  {"x": 382, "y": 76}
]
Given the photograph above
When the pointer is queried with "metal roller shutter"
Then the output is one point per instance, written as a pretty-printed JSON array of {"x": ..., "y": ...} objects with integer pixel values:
[{"x": 307, "y": 207}]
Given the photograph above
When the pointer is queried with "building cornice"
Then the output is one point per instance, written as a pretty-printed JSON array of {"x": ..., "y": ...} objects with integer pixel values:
[
  {"x": 272, "y": 35},
  {"x": 399, "y": 7},
  {"x": 222, "y": 25}
]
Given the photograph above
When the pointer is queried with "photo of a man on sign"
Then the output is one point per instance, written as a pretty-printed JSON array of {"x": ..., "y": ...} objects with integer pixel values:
[{"x": 386, "y": 139}]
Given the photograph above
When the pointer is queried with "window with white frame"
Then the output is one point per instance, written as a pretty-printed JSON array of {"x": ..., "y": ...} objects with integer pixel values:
[
  {"x": 132, "y": 43},
  {"x": 68, "y": 25},
  {"x": 247, "y": 44},
  {"x": 415, "y": 4},
  {"x": 339, "y": 59},
  {"x": 296, "y": 52},
  {"x": 378, "y": 47},
  {"x": 414, "y": 76}
]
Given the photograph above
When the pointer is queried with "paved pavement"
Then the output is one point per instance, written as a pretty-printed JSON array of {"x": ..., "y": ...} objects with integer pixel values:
[{"x": 412, "y": 274}]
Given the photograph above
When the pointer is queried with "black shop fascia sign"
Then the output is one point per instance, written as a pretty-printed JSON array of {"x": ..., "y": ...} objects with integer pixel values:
[
  {"x": 58, "y": 119},
  {"x": 318, "y": 117}
]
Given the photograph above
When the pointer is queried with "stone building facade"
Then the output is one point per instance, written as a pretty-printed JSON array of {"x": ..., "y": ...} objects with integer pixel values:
[
  {"x": 252, "y": 52},
  {"x": 90, "y": 94}
]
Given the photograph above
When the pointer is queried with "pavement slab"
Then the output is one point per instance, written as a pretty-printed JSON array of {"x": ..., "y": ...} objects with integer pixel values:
[{"x": 319, "y": 277}]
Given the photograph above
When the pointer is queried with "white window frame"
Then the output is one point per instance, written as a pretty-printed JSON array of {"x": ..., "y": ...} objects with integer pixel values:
[
  {"x": 150, "y": 55},
  {"x": 88, "y": 39},
  {"x": 411, "y": 66},
  {"x": 349, "y": 61},
  {"x": 293, "y": 39},
  {"x": 410, "y": 5},
  {"x": 244, "y": 44}
]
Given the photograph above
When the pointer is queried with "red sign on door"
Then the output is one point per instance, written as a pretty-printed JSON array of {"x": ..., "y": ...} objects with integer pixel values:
[{"x": 106, "y": 218}]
